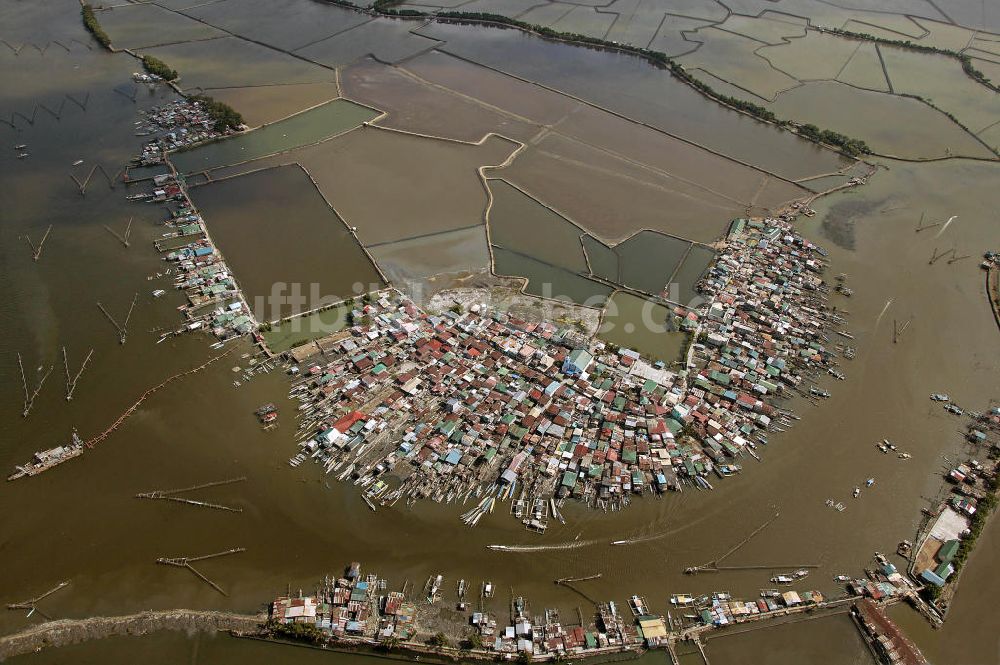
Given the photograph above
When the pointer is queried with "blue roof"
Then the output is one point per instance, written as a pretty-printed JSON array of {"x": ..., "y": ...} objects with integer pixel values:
[
  {"x": 930, "y": 576},
  {"x": 453, "y": 457}
]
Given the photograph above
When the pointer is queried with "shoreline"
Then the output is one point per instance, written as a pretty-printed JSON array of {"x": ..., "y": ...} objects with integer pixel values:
[{"x": 63, "y": 632}]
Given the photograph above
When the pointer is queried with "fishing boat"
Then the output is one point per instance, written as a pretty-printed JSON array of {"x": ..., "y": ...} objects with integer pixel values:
[
  {"x": 487, "y": 589},
  {"x": 20, "y": 146},
  {"x": 840, "y": 507},
  {"x": 46, "y": 459},
  {"x": 869, "y": 482},
  {"x": 904, "y": 455},
  {"x": 682, "y": 600},
  {"x": 461, "y": 589},
  {"x": 800, "y": 573},
  {"x": 158, "y": 292},
  {"x": 842, "y": 578},
  {"x": 638, "y": 606},
  {"x": 78, "y": 162},
  {"x": 782, "y": 579},
  {"x": 22, "y": 155},
  {"x": 940, "y": 397},
  {"x": 434, "y": 588},
  {"x": 857, "y": 492}
]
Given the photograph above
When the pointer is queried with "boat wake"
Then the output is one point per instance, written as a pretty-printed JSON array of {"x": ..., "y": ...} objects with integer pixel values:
[
  {"x": 882, "y": 313},
  {"x": 945, "y": 226},
  {"x": 640, "y": 539},
  {"x": 576, "y": 544}
]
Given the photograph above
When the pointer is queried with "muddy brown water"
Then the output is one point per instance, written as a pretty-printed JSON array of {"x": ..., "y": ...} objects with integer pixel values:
[
  {"x": 257, "y": 221},
  {"x": 636, "y": 323},
  {"x": 81, "y": 522}
]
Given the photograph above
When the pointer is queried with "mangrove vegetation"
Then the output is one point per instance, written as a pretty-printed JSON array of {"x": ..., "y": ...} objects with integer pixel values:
[
  {"x": 90, "y": 22},
  {"x": 224, "y": 115},
  {"x": 159, "y": 68}
]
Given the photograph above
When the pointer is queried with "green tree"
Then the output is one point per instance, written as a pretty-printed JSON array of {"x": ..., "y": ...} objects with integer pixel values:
[
  {"x": 159, "y": 68},
  {"x": 439, "y": 640},
  {"x": 473, "y": 641},
  {"x": 390, "y": 643}
]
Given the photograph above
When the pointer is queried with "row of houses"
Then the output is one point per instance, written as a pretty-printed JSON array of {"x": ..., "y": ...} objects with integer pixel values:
[{"x": 356, "y": 607}]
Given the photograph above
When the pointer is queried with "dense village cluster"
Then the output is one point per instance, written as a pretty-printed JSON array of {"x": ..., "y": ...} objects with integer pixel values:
[
  {"x": 360, "y": 609},
  {"x": 180, "y": 123},
  {"x": 482, "y": 405}
]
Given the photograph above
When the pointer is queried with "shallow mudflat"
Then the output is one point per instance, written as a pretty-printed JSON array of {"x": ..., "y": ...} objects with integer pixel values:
[
  {"x": 418, "y": 105},
  {"x": 139, "y": 25},
  {"x": 608, "y": 174},
  {"x": 388, "y": 40},
  {"x": 613, "y": 196},
  {"x": 291, "y": 333},
  {"x": 631, "y": 86},
  {"x": 233, "y": 62},
  {"x": 549, "y": 281},
  {"x": 283, "y": 24},
  {"x": 648, "y": 260},
  {"x": 927, "y": 133},
  {"x": 434, "y": 184},
  {"x": 523, "y": 224},
  {"x": 639, "y": 324},
  {"x": 261, "y": 105},
  {"x": 322, "y": 122},
  {"x": 450, "y": 252},
  {"x": 280, "y": 237}
]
